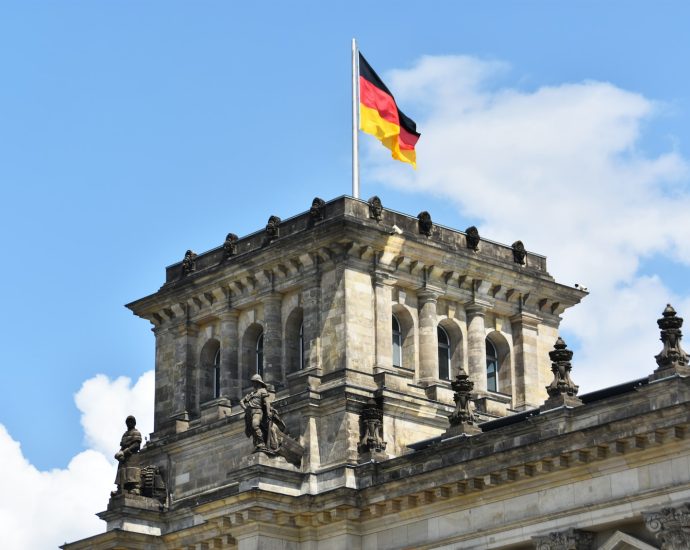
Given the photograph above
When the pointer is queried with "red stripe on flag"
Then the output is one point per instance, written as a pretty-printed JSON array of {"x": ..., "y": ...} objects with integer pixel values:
[
  {"x": 375, "y": 98},
  {"x": 406, "y": 139}
]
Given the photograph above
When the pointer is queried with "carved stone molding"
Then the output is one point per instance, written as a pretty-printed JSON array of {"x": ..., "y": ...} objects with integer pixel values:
[
  {"x": 571, "y": 539},
  {"x": 670, "y": 526},
  {"x": 371, "y": 429}
]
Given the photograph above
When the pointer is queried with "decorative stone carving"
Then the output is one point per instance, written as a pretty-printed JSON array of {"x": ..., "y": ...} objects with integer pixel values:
[
  {"x": 316, "y": 212},
  {"x": 371, "y": 428},
  {"x": 670, "y": 526},
  {"x": 572, "y": 539},
  {"x": 127, "y": 477},
  {"x": 375, "y": 208},
  {"x": 472, "y": 238},
  {"x": 424, "y": 222},
  {"x": 272, "y": 229},
  {"x": 462, "y": 419},
  {"x": 519, "y": 252},
  {"x": 230, "y": 246},
  {"x": 152, "y": 484},
  {"x": 562, "y": 390},
  {"x": 672, "y": 358},
  {"x": 188, "y": 263},
  {"x": 265, "y": 427}
]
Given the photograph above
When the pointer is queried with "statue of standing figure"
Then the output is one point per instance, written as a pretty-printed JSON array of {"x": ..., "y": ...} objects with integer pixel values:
[
  {"x": 127, "y": 478},
  {"x": 262, "y": 422}
]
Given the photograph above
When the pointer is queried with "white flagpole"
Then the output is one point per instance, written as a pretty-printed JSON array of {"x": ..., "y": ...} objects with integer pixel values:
[{"x": 355, "y": 120}]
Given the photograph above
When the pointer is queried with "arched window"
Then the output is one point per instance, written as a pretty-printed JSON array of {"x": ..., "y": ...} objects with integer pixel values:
[
  {"x": 216, "y": 375},
  {"x": 443, "y": 354},
  {"x": 397, "y": 343},
  {"x": 491, "y": 367},
  {"x": 301, "y": 346},
  {"x": 260, "y": 355}
]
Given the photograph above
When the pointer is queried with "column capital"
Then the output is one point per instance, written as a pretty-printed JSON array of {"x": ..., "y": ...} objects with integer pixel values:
[
  {"x": 229, "y": 314},
  {"x": 381, "y": 278},
  {"x": 668, "y": 526},
  {"x": 477, "y": 307},
  {"x": 428, "y": 294},
  {"x": 526, "y": 319}
]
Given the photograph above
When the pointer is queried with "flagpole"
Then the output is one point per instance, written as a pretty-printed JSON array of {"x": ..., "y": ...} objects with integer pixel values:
[{"x": 355, "y": 121}]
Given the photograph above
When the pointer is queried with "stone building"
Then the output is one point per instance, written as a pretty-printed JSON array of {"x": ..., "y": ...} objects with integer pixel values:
[{"x": 423, "y": 396}]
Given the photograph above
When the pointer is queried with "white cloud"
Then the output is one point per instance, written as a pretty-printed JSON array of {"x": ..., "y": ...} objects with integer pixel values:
[
  {"x": 43, "y": 509},
  {"x": 560, "y": 168}
]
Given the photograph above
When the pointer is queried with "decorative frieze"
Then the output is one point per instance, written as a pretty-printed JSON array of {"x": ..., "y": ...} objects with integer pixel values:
[
  {"x": 670, "y": 526},
  {"x": 571, "y": 539}
]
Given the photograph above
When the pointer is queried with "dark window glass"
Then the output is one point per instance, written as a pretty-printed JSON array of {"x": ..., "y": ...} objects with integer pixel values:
[
  {"x": 443, "y": 354},
  {"x": 491, "y": 367},
  {"x": 397, "y": 343},
  {"x": 216, "y": 375},
  {"x": 260, "y": 355},
  {"x": 301, "y": 346}
]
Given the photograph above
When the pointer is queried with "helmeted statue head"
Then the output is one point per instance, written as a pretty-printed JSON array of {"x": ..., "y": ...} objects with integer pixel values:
[
  {"x": 131, "y": 422},
  {"x": 257, "y": 378}
]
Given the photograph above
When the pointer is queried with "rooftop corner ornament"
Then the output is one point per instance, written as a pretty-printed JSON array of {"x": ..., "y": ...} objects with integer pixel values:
[
  {"x": 562, "y": 390},
  {"x": 672, "y": 359}
]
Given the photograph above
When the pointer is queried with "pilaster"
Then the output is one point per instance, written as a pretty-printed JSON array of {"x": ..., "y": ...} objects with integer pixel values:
[
  {"x": 272, "y": 340},
  {"x": 230, "y": 383},
  {"x": 383, "y": 291},
  {"x": 526, "y": 389}
]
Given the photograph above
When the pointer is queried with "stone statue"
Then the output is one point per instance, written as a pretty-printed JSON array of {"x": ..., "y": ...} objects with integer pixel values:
[
  {"x": 272, "y": 229},
  {"x": 230, "y": 246},
  {"x": 371, "y": 428},
  {"x": 264, "y": 425},
  {"x": 375, "y": 208},
  {"x": 127, "y": 478},
  {"x": 316, "y": 212},
  {"x": 425, "y": 223},
  {"x": 472, "y": 237},
  {"x": 188, "y": 263},
  {"x": 519, "y": 252}
]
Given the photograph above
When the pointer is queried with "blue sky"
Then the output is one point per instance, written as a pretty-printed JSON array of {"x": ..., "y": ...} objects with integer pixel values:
[{"x": 132, "y": 131}]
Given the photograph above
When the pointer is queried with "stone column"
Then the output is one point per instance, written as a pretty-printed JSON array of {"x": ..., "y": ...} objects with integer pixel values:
[
  {"x": 272, "y": 340},
  {"x": 476, "y": 344},
  {"x": 428, "y": 336},
  {"x": 230, "y": 384},
  {"x": 311, "y": 323},
  {"x": 383, "y": 320},
  {"x": 526, "y": 385}
]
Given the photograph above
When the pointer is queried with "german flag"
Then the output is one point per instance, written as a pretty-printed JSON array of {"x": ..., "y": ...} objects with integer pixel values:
[{"x": 379, "y": 116}]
